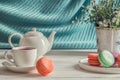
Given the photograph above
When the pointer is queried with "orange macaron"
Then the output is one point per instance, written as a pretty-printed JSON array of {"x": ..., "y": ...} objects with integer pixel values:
[
  {"x": 93, "y": 59},
  {"x": 118, "y": 59},
  {"x": 44, "y": 66}
]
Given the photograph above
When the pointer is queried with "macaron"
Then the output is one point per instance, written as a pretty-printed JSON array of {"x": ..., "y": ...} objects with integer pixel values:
[
  {"x": 115, "y": 54},
  {"x": 93, "y": 62},
  {"x": 93, "y": 56},
  {"x": 93, "y": 59},
  {"x": 106, "y": 58},
  {"x": 118, "y": 59},
  {"x": 44, "y": 66}
]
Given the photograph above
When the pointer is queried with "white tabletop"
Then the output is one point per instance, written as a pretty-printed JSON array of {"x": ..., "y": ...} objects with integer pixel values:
[{"x": 66, "y": 68}]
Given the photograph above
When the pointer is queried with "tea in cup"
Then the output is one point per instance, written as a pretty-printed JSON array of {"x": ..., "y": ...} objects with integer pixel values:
[{"x": 22, "y": 56}]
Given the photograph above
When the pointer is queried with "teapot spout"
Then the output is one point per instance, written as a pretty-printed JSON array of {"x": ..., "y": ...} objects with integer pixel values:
[{"x": 51, "y": 39}]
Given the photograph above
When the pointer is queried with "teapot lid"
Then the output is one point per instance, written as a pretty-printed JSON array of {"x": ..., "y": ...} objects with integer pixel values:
[{"x": 33, "y": 33}]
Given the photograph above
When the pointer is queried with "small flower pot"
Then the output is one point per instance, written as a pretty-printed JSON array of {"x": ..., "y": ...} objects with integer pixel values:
[{"x": 108, "y": 39}]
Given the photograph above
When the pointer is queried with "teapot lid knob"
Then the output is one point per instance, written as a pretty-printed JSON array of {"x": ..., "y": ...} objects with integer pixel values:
[
  {"x": 34, "y": 29},
  {"x": 33, "y": 33}
]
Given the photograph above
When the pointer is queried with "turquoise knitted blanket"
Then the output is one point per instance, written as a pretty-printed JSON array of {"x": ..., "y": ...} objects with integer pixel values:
[{"x": 47, "y": 15}]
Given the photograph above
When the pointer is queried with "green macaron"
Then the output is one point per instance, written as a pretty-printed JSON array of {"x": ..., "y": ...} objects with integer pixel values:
[{"x": 106, "y": 58}]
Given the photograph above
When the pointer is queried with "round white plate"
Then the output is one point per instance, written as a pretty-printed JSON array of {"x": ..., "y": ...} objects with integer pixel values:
[
  {"x": 13, "y": 68},
  {"x": 99, "y": 69}
]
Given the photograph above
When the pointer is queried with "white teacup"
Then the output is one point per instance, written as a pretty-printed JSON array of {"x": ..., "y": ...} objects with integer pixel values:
[{"x": 22, "y": 56}]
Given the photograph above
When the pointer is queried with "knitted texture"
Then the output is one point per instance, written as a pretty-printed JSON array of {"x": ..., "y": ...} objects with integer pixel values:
[{"x": 20, "y": 16}]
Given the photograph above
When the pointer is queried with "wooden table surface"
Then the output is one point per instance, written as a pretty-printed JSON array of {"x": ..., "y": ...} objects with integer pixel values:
[{"x": 66, "y": 68}]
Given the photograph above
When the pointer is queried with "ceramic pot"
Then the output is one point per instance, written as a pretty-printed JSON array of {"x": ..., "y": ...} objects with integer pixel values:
[{"x": 108, "y": 39}]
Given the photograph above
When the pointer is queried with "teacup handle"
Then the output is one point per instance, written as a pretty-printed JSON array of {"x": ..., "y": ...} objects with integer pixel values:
[
  {"x": 10, "y": 37},
  {"x": 7, "y": 58}
]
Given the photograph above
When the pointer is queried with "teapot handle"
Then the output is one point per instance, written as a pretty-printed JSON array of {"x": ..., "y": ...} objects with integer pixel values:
[{"x": 10, "y": 38}]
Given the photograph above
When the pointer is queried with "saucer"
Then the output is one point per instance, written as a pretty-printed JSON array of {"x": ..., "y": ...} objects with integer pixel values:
[
  {"x": 83, "y": 63},
  {"x": 13, "y": 68}
]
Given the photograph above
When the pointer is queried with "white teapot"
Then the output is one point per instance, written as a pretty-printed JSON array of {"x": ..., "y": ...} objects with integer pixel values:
[{"x": 35, "y": 39}]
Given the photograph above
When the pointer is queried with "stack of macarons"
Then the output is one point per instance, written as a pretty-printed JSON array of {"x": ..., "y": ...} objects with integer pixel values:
[
  {"x": 93, "y": 59},
  {"x": 104, "y": 58}
]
